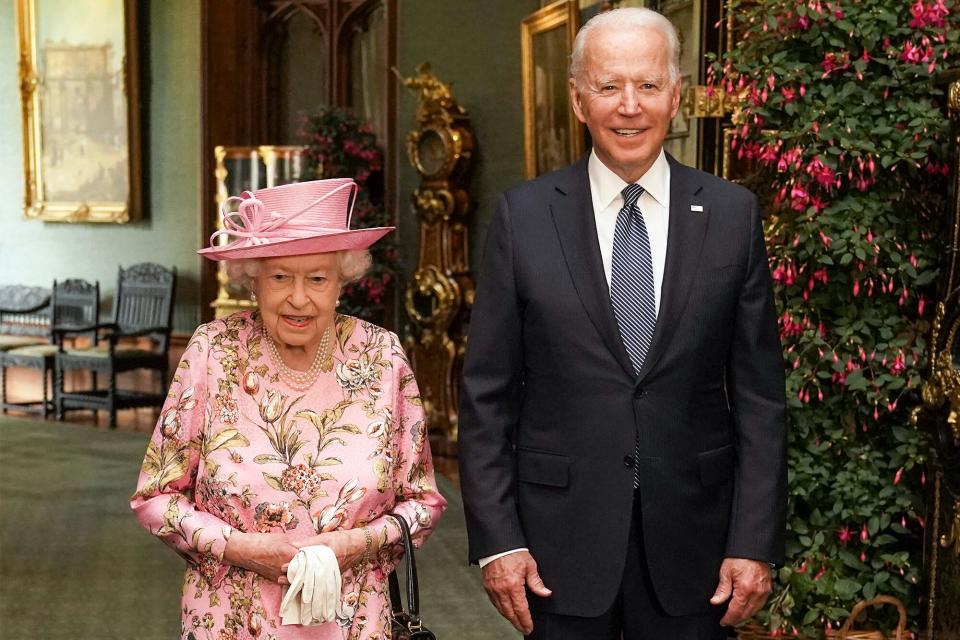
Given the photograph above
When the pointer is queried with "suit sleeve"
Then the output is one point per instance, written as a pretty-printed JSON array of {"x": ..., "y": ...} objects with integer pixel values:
[
  {"x": 755, "y": 387},
  {"x": 490, "y": 399}
]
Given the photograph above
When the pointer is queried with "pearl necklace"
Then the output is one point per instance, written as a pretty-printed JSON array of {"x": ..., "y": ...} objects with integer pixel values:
[{"x": 301, "y": 380}]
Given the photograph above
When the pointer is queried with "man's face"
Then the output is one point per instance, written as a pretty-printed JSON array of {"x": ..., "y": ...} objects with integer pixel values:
[{"x": 625, "y": 98}]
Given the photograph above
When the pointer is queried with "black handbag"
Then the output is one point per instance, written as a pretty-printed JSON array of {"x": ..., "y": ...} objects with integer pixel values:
[{"x": 406, "y": 624}]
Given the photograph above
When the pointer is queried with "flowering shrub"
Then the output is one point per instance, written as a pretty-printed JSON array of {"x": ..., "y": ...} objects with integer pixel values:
[
  {"x": 843, "y": 132},
  {"x": 341, "y": 146}
]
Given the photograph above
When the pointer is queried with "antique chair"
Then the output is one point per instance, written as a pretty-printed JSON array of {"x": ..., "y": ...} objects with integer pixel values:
[
  {"x": 24, "y": 316},
  {"x": 75, "y": 303},
  {"x": 143, "y": 309}
]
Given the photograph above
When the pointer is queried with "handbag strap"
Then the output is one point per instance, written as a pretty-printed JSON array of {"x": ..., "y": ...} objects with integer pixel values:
[{"x": 413, "y": 588}]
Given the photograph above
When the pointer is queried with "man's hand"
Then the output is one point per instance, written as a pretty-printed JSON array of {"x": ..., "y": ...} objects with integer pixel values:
[
  {"x": 748, "y": 581},
  {"x": 505, "y": 578}
]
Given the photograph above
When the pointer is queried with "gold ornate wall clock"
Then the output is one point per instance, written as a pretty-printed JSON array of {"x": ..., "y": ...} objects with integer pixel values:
[{"x": 440, "y": 295}]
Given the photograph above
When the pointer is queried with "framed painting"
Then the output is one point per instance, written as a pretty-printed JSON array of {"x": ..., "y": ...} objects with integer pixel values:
[
  {"x": 79, "y": 94},
  {"x": 552, "y": 135}
]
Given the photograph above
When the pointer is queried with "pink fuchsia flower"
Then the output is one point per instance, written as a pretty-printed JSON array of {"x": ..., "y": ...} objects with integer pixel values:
[
  {"x": 821, "y": 173},
  {"x": 799, "y": 198},
  {"x": 898, "y": 366},
  {"x": 832, "y": 62},
  {"x": 917, "y": 54},
  {"x": 932, "y": 15},
  {"x": 845, "y": 535}
]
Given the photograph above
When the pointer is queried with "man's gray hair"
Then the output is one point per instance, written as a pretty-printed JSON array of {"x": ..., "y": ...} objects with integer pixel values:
[{"x": 626, "y": 19}]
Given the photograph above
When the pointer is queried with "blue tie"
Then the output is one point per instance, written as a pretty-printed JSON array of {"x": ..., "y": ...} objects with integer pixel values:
[{"x": 631, "y": 287}]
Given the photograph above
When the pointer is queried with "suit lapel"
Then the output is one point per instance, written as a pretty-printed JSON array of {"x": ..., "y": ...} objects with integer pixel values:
[
  {"x": 685, "y": 233},
  {"x": 572, "y": 210}
]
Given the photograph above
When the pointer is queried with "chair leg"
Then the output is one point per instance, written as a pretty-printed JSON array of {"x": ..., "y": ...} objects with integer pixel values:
[
  {"x": 45, "y": 407},
  {"x": 3, "y": 389},
  {"x": 58, "y": 391},
  {"x": 112, "y": 398},
  {"x": 93, "y": 386}
]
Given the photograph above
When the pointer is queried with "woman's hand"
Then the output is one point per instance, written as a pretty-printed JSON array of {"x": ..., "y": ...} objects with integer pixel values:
[
  {"x": 348, "y": 546},
  {"x": 265, "y": 553}
]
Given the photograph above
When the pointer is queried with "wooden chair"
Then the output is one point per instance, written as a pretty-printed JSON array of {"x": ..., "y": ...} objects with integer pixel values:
[
  {"x": 24, "y": 316},
  {"x": 143, "y": 308},
  {"x": 75, "y": 303}
]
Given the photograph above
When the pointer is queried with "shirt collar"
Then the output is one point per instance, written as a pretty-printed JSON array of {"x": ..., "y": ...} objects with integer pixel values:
[{"x": 605, "y": 185}]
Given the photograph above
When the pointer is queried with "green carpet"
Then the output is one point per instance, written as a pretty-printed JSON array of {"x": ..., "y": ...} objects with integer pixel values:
[{"x": 74, "y": 564}]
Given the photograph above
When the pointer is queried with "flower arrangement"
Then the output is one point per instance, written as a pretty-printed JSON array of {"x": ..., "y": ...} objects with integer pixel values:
[
  {"x": 339, "y": 145},
  {"x": 843, "y": 129}
]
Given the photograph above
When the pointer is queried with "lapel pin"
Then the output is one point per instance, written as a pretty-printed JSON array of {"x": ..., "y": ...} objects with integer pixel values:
[{"x": 696, "y": 207}]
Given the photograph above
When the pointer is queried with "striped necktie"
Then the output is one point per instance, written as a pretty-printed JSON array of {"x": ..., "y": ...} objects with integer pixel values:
[{"x": 631, "y": 287}]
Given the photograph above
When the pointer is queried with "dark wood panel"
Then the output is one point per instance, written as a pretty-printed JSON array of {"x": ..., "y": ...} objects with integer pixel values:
[{"x": 232, "y": 105}]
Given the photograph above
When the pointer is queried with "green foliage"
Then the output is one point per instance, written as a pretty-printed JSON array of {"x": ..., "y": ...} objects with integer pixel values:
[
  {"x": 341, "y": 146},
  {"x": 843, "y": 129}
]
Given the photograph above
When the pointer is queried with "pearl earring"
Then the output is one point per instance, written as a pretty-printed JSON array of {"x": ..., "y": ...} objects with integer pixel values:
[{"x": 253, "y": 297}]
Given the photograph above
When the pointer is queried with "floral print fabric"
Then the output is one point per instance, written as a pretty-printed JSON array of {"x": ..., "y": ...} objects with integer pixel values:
[{"x": 236, "y": 449}]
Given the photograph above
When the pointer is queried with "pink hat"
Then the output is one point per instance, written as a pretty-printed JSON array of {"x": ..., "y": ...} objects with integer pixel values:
[{"x": 291, "y": 220}]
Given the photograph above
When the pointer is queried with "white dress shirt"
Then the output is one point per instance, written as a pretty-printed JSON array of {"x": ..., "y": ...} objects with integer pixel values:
[{"x": 654, "y": 204}]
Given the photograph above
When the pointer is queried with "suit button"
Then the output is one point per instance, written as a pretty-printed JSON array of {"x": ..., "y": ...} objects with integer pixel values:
[
  {"x": 628, "y": 461},
  {"x": 639, "y": 392}
]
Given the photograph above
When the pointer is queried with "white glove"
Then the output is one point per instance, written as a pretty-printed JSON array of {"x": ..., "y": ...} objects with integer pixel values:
[{"x": 313, "y": 596}]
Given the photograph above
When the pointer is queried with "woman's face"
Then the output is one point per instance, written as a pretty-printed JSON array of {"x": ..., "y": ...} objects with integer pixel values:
[{"x": 297, "y": 296}]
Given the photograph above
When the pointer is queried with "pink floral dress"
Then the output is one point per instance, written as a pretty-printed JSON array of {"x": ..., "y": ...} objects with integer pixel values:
[{"x": 235, "y": 448}]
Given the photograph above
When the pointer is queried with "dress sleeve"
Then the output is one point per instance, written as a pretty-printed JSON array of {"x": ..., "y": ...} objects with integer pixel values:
[
  {"x": 416, "y": 497},
  {"x": 164, "y": 503}
]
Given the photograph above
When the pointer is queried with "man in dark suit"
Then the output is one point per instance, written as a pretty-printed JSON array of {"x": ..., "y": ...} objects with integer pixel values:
[{"x": 622, "y": 426}]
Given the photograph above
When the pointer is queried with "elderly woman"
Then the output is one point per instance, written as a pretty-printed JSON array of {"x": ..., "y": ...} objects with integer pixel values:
[{"x": 287, "y": 427}]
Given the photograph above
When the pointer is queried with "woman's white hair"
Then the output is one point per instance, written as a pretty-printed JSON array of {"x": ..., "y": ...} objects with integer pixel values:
[
  {"x": 626, "y": 19},
  {"x": 353, "y": 264}
]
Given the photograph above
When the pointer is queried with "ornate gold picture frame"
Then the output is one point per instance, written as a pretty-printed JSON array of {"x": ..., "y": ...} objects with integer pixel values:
[
  {"x": 552, "y": 135},
  {"x": 79, "y": 93}
]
